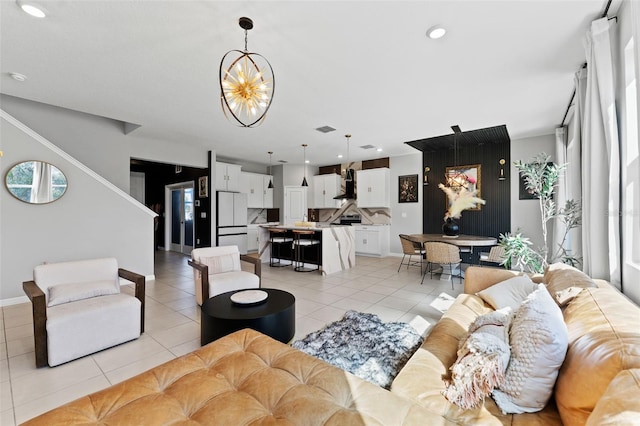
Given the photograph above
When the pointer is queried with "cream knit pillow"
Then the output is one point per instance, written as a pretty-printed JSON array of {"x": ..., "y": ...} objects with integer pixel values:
[
  {"x": 539, "y": 341},
  {"x": 509, "y": 293}
]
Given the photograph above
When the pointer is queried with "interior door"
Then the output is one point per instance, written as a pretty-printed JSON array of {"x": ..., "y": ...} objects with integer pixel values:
[
  {"x": 179, "y": 228},
  {"x": 295, "y": 204}
]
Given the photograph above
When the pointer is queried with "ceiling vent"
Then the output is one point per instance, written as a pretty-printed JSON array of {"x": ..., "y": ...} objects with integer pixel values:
[
  {"x": 325, "y": 129},
  {"x": 367, "y": 146},
  {"x": 282, "y": 161}
]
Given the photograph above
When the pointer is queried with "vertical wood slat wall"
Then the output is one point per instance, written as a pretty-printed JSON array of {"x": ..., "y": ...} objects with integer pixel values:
[{"x": 494, "y": 217}]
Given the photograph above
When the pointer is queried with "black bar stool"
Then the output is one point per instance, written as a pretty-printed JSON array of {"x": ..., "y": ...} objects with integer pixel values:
[
  {"x": 278, "y": 237},
  {"x": 303, "y": 239}
]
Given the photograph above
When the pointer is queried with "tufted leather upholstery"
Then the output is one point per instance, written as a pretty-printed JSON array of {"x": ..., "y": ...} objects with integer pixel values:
[
  {"x": 245, "y": 378},
  {"x": 604, "y": 349}
]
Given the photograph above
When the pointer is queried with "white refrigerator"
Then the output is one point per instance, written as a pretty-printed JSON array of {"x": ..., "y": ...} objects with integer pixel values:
[{"x": 231, "y": 229}]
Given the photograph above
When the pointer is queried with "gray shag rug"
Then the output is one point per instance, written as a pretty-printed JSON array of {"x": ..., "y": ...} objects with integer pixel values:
[{"x": 362, "y": 344}]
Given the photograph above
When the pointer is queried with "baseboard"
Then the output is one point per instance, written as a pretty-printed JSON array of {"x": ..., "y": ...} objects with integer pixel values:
[{"x": 14, "y": 301}]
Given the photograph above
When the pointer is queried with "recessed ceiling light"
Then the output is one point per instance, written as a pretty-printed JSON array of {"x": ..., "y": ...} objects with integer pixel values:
[
  {"x": 339, "y": 155},
  {"x": 17, "y": 76},
  {"x": 379, "y": 149},
  {"x": 32, "y": 9},
  {"x": 436, "y": 32},
  {"x": 306, "y": 161}
]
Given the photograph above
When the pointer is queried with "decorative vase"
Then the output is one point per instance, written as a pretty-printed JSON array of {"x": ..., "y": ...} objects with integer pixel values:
[{"x": 450, "y": 228}]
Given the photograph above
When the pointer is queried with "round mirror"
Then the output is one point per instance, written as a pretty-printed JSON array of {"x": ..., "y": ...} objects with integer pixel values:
[{"x": 36, "y": 182}]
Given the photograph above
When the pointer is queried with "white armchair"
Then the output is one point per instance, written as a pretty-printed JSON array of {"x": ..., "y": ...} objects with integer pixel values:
[
  {"x": 78, "y": 309},
  {"x": 217, "y": 270}
]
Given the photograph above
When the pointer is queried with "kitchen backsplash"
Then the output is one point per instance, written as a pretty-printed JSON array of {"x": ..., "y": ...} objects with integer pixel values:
[{"x": 372, "y": 216}]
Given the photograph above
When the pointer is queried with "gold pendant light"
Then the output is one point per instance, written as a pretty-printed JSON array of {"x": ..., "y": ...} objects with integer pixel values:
[{"x": 247, "y": 84}]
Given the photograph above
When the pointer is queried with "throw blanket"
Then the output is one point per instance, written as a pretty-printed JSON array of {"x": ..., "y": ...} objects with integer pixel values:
[{"x": 363, "y": 345}]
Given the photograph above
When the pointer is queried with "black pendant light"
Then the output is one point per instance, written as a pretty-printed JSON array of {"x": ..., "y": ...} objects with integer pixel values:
[
  {"x": 304, "y": 179},
  {"x": 270, "y": 176},
  {"x": 348, "y": 176}
]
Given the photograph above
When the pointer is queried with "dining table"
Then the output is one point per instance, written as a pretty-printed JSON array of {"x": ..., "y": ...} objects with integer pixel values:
[{"x": 465, "y": 242}]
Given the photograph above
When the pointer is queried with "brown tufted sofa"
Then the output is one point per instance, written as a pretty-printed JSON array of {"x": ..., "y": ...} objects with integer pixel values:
[
  {"x": 250, "y": 379},
  {"x": 245, "y": 378},
  {"x": 598, "y": 384}
]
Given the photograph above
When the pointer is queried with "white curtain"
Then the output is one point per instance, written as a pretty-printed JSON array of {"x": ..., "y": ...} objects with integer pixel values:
[
  {"x": 600, "y": 160},
  {"x": 562, "y": 191},
  {"x": 41, "y": 191}
]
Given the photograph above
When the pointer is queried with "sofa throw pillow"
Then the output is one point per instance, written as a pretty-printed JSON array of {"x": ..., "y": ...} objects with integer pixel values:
[
  {"x": 483, "y": 357},
  {"x": 508, "y": 293},
  {"x": 539, "y": 341},
  {"x": 560, "y": 276},
  {"x": 71, "y": 292},
  {"x": 222, "y": 263}
]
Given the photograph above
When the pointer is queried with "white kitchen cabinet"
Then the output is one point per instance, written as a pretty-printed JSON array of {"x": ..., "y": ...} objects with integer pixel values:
[
  {"x": 255, "y": 185},
  {"x": 373, "y": 188},
  {"x": 252, "y": 238},
  {"x": 325, "y": 187},
  {"x": 372, "y": 240},
  {"x": 228, "y": 177}
]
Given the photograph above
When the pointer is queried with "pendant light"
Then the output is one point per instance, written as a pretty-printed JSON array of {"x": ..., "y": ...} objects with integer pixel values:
[
  {"x": 453, "y": 177},
  {"x": 304, "y": 180},
  {"x": 348, "y": 176},
  {"x": 270, "y": 176},
  {"x": 247, "y": 84}
]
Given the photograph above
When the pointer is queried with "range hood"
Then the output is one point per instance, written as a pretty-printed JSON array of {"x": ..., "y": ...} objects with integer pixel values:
[{"x": 350, "y": 189}]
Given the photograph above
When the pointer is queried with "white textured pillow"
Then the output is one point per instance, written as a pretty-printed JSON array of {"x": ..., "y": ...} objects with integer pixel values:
[
  {"x": 509, "y": 293},
  {"x": 71, "y": 292},
  {"x": 222, "y": 263},
  {"x": 539, "y": 343},
  {"x": 483, "y": 357}
]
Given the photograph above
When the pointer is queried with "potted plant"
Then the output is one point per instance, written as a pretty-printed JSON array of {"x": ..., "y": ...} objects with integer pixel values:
[{"x": 541, "y": 179}]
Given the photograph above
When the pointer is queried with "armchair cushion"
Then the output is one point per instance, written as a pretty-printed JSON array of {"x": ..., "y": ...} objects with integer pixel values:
[
  {"x": 231, "y": 281},
  {"x": 65, "y": 293},
  {"x": 90, "y": 325},
  {"x": 221, "y": 264},
  {"x": 82, "y": 271}
]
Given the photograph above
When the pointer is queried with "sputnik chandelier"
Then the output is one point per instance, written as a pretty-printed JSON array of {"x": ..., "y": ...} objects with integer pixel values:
[{"x": 247, "y": 84}]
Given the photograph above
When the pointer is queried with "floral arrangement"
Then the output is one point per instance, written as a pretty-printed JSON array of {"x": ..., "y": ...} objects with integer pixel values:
[{"x": 460, "y": 200}]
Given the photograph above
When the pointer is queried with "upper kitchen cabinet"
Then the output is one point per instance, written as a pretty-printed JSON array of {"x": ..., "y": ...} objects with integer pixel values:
[
  {"x": 228, "y": 177},
  {"x": 325, "y": 187},
  {"x": 373, "y": 188},
  {"x": 256, "y": 186}
]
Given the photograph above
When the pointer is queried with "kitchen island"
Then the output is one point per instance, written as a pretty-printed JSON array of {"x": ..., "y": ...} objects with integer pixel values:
[{"x": 337, "y": 246}]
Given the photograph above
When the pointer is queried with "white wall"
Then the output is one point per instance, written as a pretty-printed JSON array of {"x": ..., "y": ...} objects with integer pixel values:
[
  {"x": 525, "y": 214},
  {"x": 406, "y": 218},
  {"x": 87, "y": 222}
]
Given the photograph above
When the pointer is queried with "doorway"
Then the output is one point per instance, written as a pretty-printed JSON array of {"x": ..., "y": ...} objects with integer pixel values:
[
  {"x": 295, "y": 204},
  {"x": 179, "y": 229}
]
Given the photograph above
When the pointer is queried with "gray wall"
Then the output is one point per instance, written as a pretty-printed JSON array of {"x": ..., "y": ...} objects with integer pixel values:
[
  {"x": 406, "y": 218},
  {"x": 91, "y": 220},
  {"x": 525, "y": 214},
  {"x": 87, "y": 222}
]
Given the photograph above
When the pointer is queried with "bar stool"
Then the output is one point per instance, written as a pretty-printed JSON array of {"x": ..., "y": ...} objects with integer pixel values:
[
  {"x": 301, "y": 240},
  {"x": 278, "y": 237}
]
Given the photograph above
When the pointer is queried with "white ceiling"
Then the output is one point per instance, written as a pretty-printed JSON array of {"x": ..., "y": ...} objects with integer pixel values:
[{"x": 363, "y": 67}]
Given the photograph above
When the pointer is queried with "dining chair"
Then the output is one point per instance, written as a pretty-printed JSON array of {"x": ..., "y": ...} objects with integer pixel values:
[
  {"x": 495, "y": 256},
  {"x": 443, "y": 254},
  {"x": 410, "y": 248}
]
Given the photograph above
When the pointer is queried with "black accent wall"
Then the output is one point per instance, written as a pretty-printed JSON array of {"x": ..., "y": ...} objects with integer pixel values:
[{"x": 485, "y": 147}]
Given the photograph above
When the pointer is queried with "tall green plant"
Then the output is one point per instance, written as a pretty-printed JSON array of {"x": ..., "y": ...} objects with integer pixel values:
[{"x": 541, "y": 179}]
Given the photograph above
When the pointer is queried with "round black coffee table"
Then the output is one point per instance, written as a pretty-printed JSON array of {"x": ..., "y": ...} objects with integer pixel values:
[{"x": 275, "y": 317}]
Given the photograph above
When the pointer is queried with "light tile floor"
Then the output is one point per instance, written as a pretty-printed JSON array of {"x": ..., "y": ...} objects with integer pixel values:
[{"x": 172, "y": 326}]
